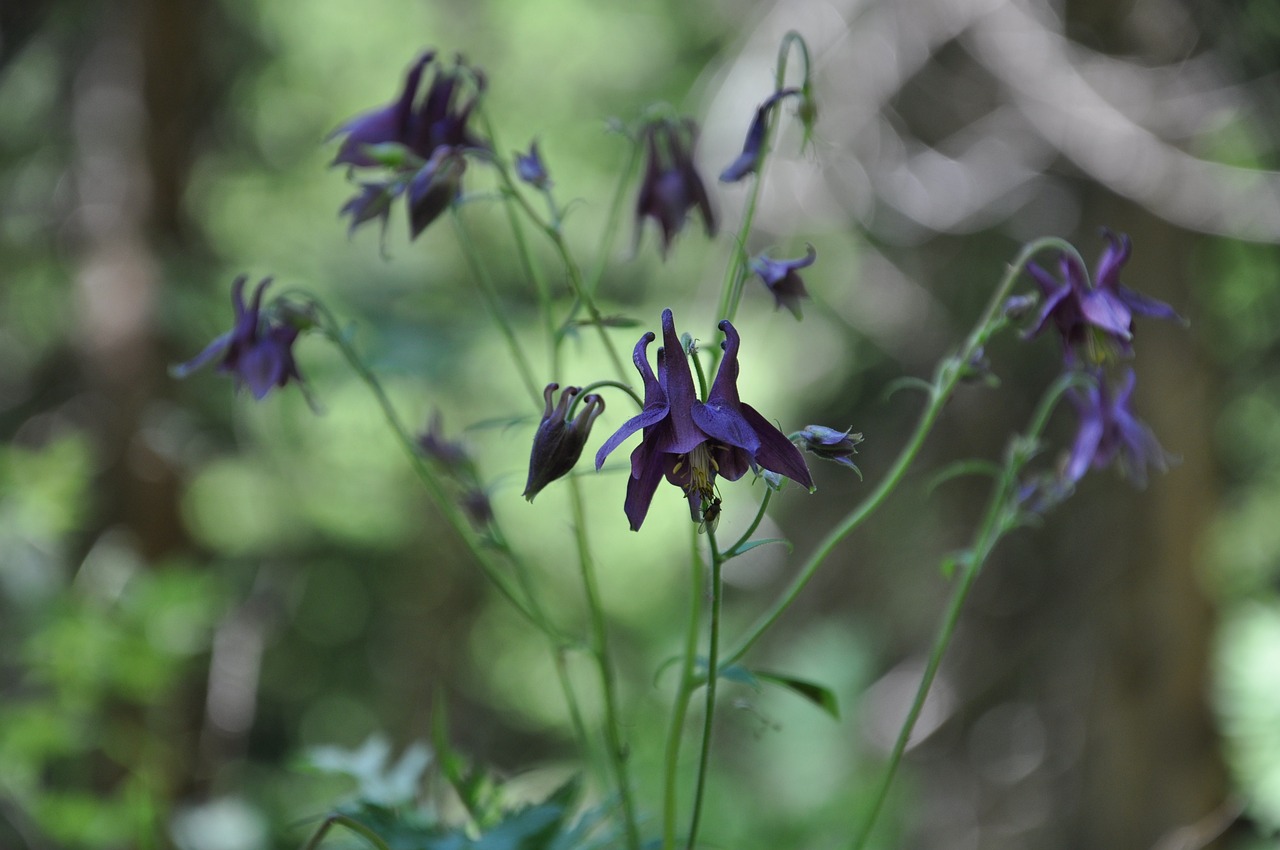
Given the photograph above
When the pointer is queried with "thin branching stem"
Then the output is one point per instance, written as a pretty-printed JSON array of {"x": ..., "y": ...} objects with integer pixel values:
[
  {"x": 948, "y": 375},
  {"x": 615, "y": 746},
  {"x": 490, "y": 296},
  {"x": 708, "y": 721},
  {"x": 1000, "y": 517},
  {"x": 684, "y": 691}
]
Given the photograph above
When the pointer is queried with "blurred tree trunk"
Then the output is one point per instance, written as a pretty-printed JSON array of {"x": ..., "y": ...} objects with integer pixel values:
[{"x": 1152, "y": 762}]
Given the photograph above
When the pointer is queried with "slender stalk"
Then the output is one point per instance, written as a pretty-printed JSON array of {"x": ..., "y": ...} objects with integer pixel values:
[
  {"x": 611, "y": 221},
  {"x": 490, "y": 295},
  {"x": 732, "y": 551},
  {"x": 736, "y": 273},
  {"x": 948, "y": 375},
  {"x": 350, "y": 823},
  {"x": 680, "y": 707},
  {"x": 713, "y": 649},
  {"x": 615, "y": 747},
  {"x": 552, "y": 231},
  {"x": 1001, "y": 516},
  {"x": 447, "y": 506}
]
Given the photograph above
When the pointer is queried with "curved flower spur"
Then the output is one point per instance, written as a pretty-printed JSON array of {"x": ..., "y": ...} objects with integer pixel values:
[{"x": 690, "y": 442}]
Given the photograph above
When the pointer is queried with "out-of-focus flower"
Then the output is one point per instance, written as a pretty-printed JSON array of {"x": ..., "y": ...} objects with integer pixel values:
[
  {"x": 748, "y": 162},
  {"x": 691, "y": 442},
  {"x": 671, "y": 185},
  {"x": 257, "y": 351},
  {"x": 1098, "y": 319},
  {"x": 476, "y": 505},
  {"x": 531, "y": 169},
  {"x": 1110, "y": 432},
  {"x": 782, "y": 278},
  {"x": 831, "y": 444},
  {"x": 450, "y": 454},
  {"x": 558, "y": 443},
  {"x": 419, "y": 141}
]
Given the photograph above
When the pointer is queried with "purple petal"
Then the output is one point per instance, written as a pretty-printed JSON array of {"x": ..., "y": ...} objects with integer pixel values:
[
  {"x": 684, "y": 434},
  {"x": 640, "y": 488},
  {"x": 211, "y": 351},
  {"x": 776, "y": 452},
  {"x": 1113, "y": 258},
  {"x": 1102, "y": 309},
  {"x": 1143, "y": 305}
]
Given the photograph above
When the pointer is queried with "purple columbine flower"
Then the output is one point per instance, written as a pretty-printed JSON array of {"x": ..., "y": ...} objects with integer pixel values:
[
  {"x": 558, "y": 442},
  {"x": 748, "y": 162},
  {"x": 531, "y": 169},
  {"x": 257, "y": 351},
  {"x": 420, "y": 141},
  {"x": 782, "y": 278},
  {"x": 671, "y": 185},
  {"x": 1097, "y": 318},
  {"x": 1110, "y": 432},
  {"x": 690, "y": 442}
]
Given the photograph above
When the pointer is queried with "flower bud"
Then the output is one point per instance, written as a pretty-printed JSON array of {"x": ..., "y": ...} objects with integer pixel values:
[
  {"x": 558, "y": 443},
  {"x": 831, "y": 444}
]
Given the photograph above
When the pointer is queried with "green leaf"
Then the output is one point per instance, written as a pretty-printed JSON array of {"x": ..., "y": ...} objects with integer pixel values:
[
  {"x": 751, "y": 544},
  {"x": 820, "y": 695},
  {"x": 961, "y": 468},
  {"x": 906, "y": 382}
]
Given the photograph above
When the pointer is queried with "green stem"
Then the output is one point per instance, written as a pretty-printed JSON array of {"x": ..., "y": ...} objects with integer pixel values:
[
  {"x": 713, "y": 650},
  {"x": 490, "y": 295},
  {"x": 684, "y": 691},
  {"x": 553, "y": 233},
  {"x": 949, "y": 373},
  {"x": 736, "y": 274},
  {"x": 350, "y": 823},
  {"x": 615, "y": 747},
  {"x": 611, "y": 221},
  {"x": 595, "y": 385},
  {"x": 732, "y": 551},
  {"x": 1001, "y": 516},
  {"x": 447, "y": 506}
]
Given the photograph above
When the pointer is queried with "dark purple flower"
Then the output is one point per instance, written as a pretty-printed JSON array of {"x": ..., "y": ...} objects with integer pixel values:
[
  {"x": 782, "y": 278},
  {"x": 531, "y": 169},
  {"x": 450, "y": 454},
  {"x": 419, "y": 140},
  {"x": 671, "y": 185},
  {"x": 690, "y": 442},
  {"x": 1096, "y": 318},
  {"x": 257, "y": 351},
  {"x": 748, "y": 162},
  {"x": 476, "y": 505},
  {"x": 1110, "y": 432},
  {"x": 558, "y": 443},
  {"x": 831, "y": 444},
  {"x": 434, "y": 187}
]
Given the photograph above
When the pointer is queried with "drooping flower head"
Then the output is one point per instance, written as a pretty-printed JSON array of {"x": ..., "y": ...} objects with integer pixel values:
[
  {"x": 419, "y": 142},
  {"x": 748, "y": 162},
  {"x": 1097, "y": 320},
  {"x": 558, "y": 443},
  {"x": 831, "y": 444},
  {"x": 692, "y": 442},
  {"x": 257, "y": 351},
  {"x": 671, "y": 185},
  {"x": 1109, "y": 432},
  {"x": 782, "y": 278}
]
